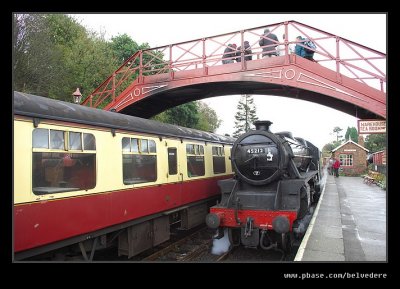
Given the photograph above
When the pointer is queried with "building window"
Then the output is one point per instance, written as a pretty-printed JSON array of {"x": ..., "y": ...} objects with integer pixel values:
[
  {"x": 195, "y": 160},
  {"x": 62, "y": 161},
  {"x": 139, "y": 160},
  {"x": 346, "y": 160},
  {"x": 218, "y": 160}
]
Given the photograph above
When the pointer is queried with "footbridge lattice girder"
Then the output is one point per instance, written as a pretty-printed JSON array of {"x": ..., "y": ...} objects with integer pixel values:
[{"x": 346, "y": 76}]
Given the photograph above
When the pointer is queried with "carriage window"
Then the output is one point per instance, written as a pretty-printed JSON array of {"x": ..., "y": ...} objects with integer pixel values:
[
  {"x": 126, "y": 144},
  {"x": 144, "y": 146},
  {"x": 56, "y": 172},
  {"x": 56, "y": 139},
  {"x": 218, "y": 160},
  {"x": 40, "y": 138},
  {"x": 190, "y": 149},
  {"x": 152, "y": 146},
  {"x": 130, "y": 145},
  {"x": 89, "y": 142},
  {"x": 75, "y": 142},
  {"x": 195, "y": 160},
  {"x": 139, "y": 166},
  {"x": 134, "y": 145}
]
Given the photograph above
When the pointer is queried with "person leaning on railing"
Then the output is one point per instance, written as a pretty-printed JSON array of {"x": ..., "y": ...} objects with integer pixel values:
[
  {"x": 229, "y": 54},
  {"x": 247, "y": 52},
  {"x": 270, "y": 50}
]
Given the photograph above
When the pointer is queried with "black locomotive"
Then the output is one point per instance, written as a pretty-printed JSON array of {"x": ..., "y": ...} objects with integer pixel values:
[{"x": 276, "y": 180}]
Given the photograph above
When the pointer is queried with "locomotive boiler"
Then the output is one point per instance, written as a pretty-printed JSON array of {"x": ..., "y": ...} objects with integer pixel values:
[{"x": 276, "y": 180}]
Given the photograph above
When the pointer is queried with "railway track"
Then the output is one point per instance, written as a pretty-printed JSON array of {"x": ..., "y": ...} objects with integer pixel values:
[{"x": 185, "y": 249}]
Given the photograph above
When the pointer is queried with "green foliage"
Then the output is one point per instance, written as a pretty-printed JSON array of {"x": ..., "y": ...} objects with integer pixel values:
[
  {"x": 337, "y": 131},
  {"x": 329, "y": 147},
  {"x": 54, "y": 55},
  {"x": 208, "y": 119},
  {"x": 123, "y": 47},
  {"x": 196, "y": 115},
  {"x": 34, "y": 62},
  {"x": 375, "y": 142},
  {"x": 351, "y": 133},
  {"x": 245, "y": 115},
  {"x": 186, "y": 115}
]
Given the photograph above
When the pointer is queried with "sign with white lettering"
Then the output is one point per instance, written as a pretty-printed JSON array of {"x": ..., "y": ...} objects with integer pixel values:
[{"x": 370, "y": 126}]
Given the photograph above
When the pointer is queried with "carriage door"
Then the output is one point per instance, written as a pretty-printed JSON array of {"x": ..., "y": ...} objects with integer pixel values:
[{"x": 174, "y": 176}]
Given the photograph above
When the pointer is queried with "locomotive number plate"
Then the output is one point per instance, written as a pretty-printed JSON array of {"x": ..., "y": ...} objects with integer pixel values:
[{"x": 256, "y": 151}]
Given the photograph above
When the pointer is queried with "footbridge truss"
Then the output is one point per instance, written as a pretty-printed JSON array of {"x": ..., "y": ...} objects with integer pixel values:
[{"x": 345, "y": 75}]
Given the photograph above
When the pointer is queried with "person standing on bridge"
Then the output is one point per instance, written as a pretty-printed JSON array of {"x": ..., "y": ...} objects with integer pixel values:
[
  {"x": 247, "y": 52},
  {"x": 301, "y": 50},
  {"x": 298, "y": 49},
  {"x": 268, "y": 41},
  {"x": 229, "y": 54}
]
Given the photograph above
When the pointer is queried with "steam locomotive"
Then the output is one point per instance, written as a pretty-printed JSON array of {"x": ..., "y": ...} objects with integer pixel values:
[{"x": 266, "y": 202}]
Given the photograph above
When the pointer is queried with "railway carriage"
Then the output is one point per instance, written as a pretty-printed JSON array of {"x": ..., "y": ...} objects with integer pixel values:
[{"x": 86, "y": 179}]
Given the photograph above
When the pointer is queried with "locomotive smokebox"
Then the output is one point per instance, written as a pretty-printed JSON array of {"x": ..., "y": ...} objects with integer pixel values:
[{"x": 263, "y": 125}]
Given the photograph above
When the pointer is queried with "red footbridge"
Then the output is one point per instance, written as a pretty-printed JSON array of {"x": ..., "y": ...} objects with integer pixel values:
[{"x": 345, "y": 75}]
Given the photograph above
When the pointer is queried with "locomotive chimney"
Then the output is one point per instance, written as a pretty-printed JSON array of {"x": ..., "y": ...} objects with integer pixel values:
[{"x": 263, "y": 125}]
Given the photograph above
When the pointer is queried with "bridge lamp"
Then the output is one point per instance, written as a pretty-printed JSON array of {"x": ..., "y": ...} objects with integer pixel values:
[{"x": 77, "y": 96}]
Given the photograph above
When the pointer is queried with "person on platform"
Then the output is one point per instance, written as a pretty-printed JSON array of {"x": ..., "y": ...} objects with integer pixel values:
[
  {"x": 330, "y": 168},
  {"x": 336, "y": 166}
]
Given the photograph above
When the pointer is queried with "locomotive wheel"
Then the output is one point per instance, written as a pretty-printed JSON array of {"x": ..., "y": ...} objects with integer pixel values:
[{"x": 234, "y": 236}]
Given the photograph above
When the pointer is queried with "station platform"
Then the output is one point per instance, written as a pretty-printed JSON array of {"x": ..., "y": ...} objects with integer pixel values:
[{"x": 349, "y": 223}]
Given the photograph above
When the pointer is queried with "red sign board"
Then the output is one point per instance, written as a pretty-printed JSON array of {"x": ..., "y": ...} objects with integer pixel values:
[{"x": 370, "y": 126}]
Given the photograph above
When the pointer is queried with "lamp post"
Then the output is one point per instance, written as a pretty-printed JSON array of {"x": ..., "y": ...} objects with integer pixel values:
[{"x": 77, "y": 96}]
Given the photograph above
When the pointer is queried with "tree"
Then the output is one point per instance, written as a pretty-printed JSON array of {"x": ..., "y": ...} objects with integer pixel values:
[
  {"x": 245, "y": 115},
  {"x": 34, "y": 64},
  {"x": 196, "y": 114},
  {"x": 186, "y": 115},
  {"x": 329, "y": 147},
  {"x": 352, "y": 134},
  {"x": 54, "y": 54},
  {"x": 337, "y": 130},
  {"x": 208, "y": 119},
  {"x": 123, "y": 47},
  {"x": 375, "y": 142}
]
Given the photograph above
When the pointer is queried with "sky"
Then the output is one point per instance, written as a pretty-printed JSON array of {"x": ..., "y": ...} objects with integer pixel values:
[{"x": 310, "y": 121}]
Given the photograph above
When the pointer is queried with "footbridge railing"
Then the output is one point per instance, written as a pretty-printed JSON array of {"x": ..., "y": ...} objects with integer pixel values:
[{"x": 341, "y": 55}]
